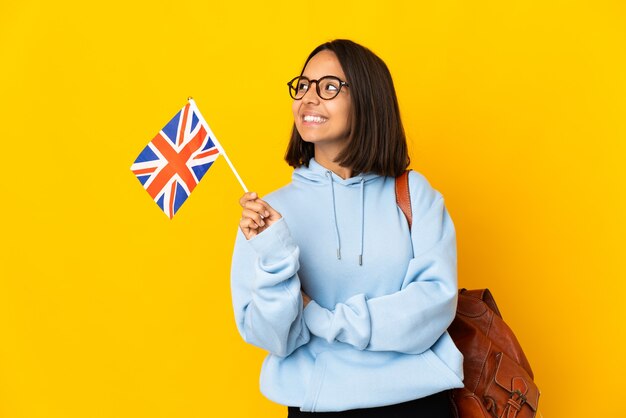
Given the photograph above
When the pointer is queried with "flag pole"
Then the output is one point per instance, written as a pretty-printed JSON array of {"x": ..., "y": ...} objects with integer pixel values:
[{"x": 217, "y": 143}]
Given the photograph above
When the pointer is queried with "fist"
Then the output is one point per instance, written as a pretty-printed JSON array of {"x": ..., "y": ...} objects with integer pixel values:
[{"x": 257, "y": 215}]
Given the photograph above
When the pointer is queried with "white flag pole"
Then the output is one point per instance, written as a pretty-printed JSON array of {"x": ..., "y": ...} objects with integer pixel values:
[{"x": 217, "y": 143}]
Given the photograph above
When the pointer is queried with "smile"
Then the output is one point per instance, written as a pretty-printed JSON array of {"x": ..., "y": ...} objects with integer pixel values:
[{"x": 314, "y": 119}]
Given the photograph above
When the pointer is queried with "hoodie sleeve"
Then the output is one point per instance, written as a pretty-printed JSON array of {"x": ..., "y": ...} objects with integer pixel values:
[
  {"x": 266, "y": 290},
  {"x": 414, "y": 318}
]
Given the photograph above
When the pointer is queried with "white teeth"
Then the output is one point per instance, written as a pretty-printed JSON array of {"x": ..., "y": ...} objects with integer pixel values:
[{"x": 315, "y": 119}]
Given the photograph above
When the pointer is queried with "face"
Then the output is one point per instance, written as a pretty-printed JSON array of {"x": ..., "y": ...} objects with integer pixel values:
[{"x": 325, "y": 123}]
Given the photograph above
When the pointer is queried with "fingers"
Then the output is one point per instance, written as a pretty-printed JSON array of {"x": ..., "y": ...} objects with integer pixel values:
[
  {"x": 251, "y": 201},
  {"x": 270, "y": 212},
  {"x": 257, "y": 206},
  {"x": 256, "y": 216},
  {"x": 246, "y": 197},
  {"x": 248, "y": 227}
]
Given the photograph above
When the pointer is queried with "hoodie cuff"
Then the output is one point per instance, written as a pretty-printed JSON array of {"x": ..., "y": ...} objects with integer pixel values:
[
  {"x": 274, "y": 244},
  {"x": 318, "y": 320},
  {"x": 349, "y": 323}
]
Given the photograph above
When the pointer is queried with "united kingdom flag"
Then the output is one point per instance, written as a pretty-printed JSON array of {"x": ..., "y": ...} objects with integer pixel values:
[{"x": 173, "y": 163}]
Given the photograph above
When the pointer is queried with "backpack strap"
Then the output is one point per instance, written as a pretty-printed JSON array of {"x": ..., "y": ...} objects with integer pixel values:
[{"x": 403, "y": 196}]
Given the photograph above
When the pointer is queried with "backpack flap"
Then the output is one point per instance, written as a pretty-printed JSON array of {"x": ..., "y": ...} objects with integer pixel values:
[{"x": 513, "y": 392}]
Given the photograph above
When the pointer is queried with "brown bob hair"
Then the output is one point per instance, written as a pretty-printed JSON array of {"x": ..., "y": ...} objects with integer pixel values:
[{"x": 377, "y": 143}]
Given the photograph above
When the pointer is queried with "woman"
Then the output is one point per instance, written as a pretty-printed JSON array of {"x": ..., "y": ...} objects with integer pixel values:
[{"x": 352, "y": 306}]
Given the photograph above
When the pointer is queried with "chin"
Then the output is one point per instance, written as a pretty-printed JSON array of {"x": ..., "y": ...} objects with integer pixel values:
[{"x": 307, "y": 137}]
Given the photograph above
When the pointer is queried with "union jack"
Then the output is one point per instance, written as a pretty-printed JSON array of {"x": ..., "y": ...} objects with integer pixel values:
[{"x": 173, "y": 163}]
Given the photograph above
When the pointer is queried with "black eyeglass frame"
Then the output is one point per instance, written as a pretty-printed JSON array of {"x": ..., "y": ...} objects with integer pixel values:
[{"x": 317, "y": 86}]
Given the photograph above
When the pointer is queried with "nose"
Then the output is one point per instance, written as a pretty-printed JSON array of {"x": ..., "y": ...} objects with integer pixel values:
[{"x": 311, "y": 95}]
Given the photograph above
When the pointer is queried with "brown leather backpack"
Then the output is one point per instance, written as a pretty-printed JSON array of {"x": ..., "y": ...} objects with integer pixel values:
[{"x": 498, "y": 378}]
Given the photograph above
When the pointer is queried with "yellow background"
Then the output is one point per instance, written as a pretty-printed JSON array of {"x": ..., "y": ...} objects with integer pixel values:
[{"x": 515, "y": 112}]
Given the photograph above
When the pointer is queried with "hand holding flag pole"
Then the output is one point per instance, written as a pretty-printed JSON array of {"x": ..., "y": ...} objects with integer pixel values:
[{"x": 176, "y": 159}]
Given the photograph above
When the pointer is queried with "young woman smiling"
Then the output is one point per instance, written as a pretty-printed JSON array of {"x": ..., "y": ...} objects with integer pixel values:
[{"x": 350, "y": 303}]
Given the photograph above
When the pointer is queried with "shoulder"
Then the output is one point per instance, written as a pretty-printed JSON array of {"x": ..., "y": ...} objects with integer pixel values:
[
  {"x": 280, "y": 198},
  {"x": 423, "y": 195}
]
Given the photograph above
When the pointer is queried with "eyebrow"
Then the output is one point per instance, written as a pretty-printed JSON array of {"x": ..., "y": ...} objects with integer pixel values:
[{"x": 327, "y": 75}]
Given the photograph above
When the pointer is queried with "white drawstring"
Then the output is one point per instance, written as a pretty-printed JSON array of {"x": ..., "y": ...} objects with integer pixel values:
[
  {"x": 332, "y": 193},
  {"x": 362, "y": 220}
]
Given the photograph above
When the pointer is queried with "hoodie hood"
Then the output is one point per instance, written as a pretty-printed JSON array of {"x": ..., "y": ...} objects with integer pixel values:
[{"x": 319, "y": 175}]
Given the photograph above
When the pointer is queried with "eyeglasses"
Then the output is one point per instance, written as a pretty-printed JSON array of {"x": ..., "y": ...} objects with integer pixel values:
[{"x": 327, "y": 87}]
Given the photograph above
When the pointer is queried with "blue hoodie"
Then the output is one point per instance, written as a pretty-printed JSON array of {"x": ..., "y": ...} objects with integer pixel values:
[{"x": 374, "y": 333}]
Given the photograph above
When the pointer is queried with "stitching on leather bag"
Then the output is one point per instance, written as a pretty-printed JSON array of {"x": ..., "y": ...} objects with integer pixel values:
[{"x": 482, "y": 367}]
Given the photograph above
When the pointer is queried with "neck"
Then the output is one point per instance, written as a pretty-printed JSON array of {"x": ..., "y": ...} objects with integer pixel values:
[{"x": 326, "y": 158}]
